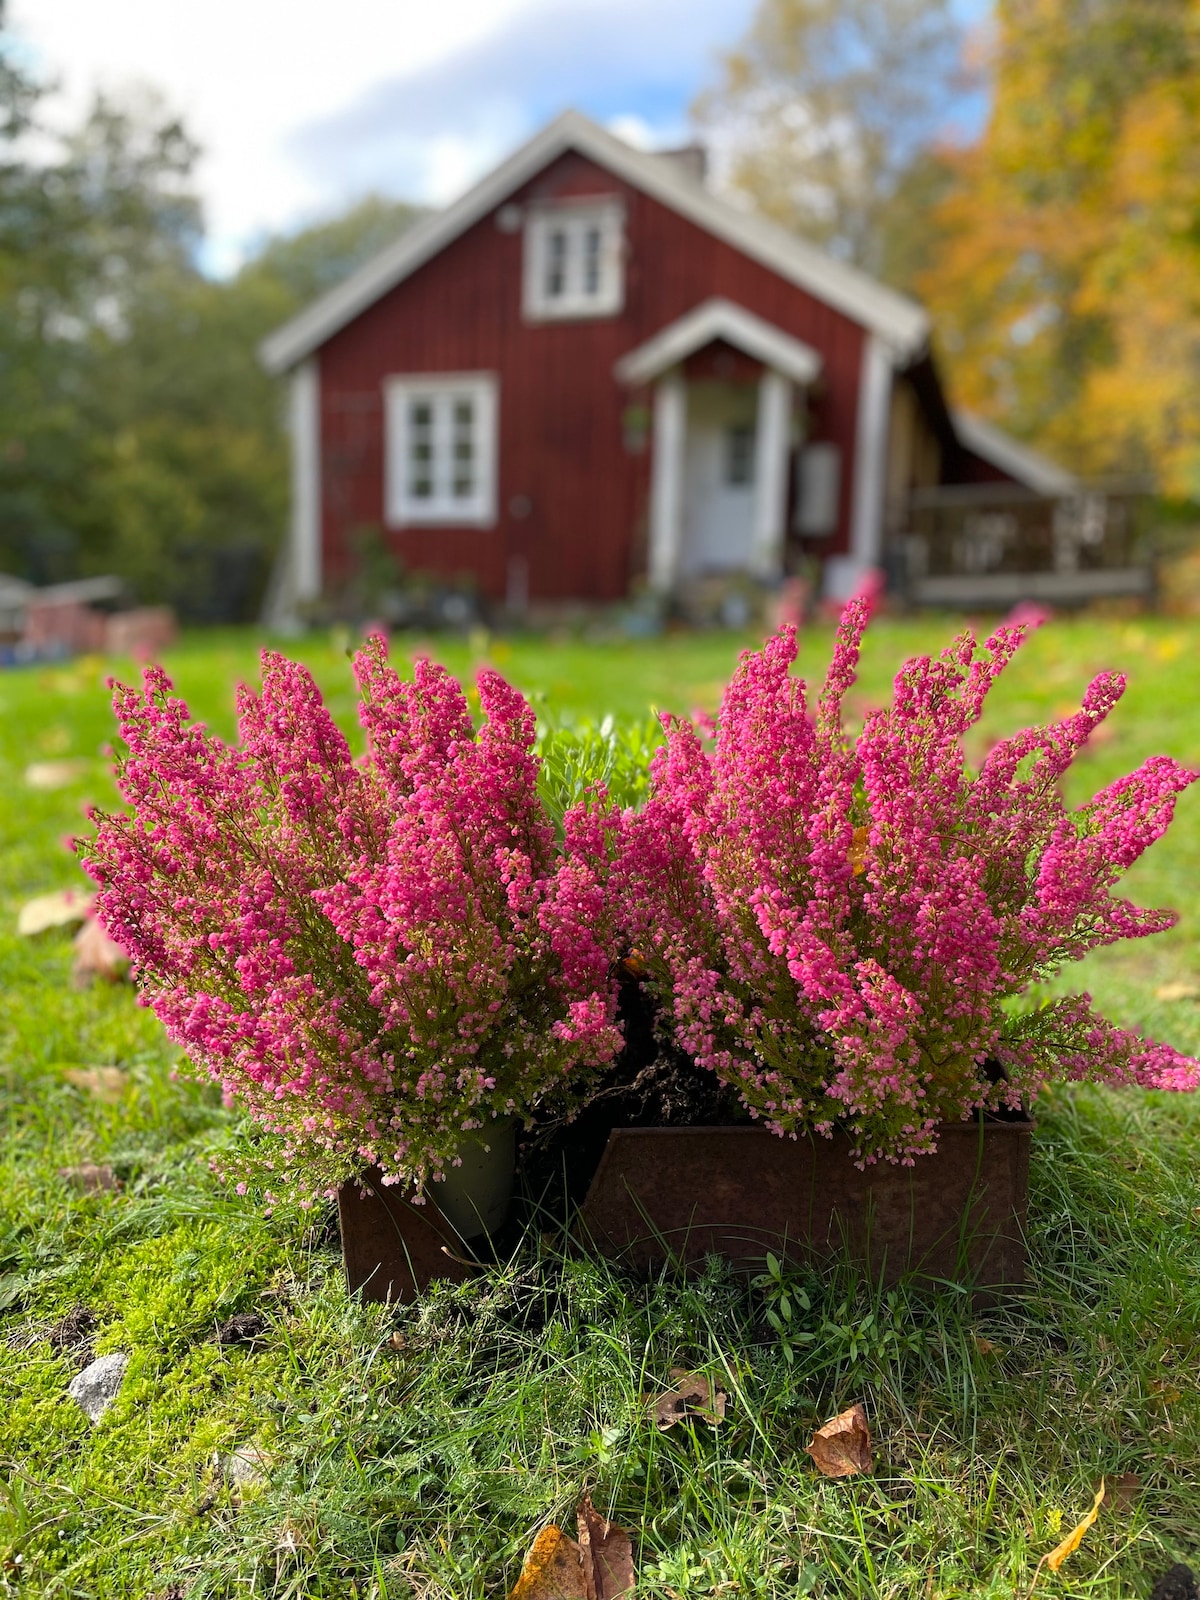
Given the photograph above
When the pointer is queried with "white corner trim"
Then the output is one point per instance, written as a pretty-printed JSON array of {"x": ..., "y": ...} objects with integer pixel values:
[
  {"x": 1027, "y": 466},
  {"x": 719, "y": 319},
  {"x": 401, "y": 509},
  {"x": 893, "y": 317},
  {"x": 771, "y": 449},
  {"x": 666, "y": 484},
  {"x": 304, "y": 405},
  {"x": 870, "y": 454}
]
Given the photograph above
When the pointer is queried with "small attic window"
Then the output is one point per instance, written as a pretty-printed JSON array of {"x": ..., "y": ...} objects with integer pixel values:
[{"x": 574, "y": 264}]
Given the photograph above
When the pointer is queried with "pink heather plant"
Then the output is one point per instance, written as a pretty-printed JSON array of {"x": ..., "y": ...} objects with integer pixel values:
[
  {"x": 372, "y": 957},
  {"x": 834, "y": 927}
]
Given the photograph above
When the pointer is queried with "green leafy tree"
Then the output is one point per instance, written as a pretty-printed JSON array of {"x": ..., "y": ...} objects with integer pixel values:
[
  {"x": 195, "y": 450},
  {"x": 138, "y": 433}
]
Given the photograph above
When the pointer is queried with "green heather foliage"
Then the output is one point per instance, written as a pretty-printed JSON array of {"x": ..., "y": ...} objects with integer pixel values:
[{"x": 426, "y": 1470}]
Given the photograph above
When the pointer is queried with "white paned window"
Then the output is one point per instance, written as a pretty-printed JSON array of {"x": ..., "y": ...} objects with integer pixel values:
[
  {"x": 574, "y": 264},
  {"x": 441, "y": 450}
]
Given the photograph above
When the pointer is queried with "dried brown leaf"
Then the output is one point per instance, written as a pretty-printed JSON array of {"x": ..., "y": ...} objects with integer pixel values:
[
  {"x": 89, "y": 1179},
  {"x": 1124, "y": 1492},
  {"x": 1164, "y": 1391},
  {"x": 607, "y": 1553},
  {"x": 98, "y": 956},
  {"x": 692, "y": 1396},
  {"x": 842, "y": 1447},
  {"x": 62, "y": 909},
  {"x": 104, "y": 1083},
  {"x": 1177, "y": 991},
  {"x": 56, "y": 774},
  {"x": 553, "y": 1569},
  {"x": 597, "y": 1566}
]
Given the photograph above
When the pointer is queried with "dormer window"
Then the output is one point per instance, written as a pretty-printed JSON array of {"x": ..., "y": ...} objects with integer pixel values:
[{"x": 574, "y": 265}]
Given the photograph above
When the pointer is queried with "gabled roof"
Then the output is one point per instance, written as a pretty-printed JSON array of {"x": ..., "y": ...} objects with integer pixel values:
[
  {"x": 1021, "y": 463},
  {"x": 719, "y": 319},
  {"x": 901, "y": 323}
]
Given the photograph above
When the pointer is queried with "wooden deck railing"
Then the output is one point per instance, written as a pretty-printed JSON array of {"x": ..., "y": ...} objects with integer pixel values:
[{"x": 996, "y": 544}]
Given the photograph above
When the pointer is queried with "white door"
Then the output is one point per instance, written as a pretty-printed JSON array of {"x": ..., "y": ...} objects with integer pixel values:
[{"x": 718, "y": 509}]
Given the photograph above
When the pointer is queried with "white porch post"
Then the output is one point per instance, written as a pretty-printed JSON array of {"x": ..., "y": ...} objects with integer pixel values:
[
  {"x": 870, "y": 471},
  {"x": 666, "y": 485},
  {"x": 770, "y": 474},
  {"x": 305, "y": 420}
]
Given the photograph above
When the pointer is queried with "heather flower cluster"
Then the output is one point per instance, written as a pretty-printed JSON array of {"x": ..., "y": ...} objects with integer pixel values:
[
  {"x": 376, "y": 956},
  {"x": 834, "y": 926}
]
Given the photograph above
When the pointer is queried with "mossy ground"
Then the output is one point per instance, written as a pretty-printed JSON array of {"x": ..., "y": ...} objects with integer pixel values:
[{"x": 426, "y": 1469}]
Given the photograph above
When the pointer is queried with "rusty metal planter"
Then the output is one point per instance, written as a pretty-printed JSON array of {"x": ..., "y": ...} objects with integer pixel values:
[
  {"x": 393, "y": 1249},
  {"x": 684, "y": 1193}
]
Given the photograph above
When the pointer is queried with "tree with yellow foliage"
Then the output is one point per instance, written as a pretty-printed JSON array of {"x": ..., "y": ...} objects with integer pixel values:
[{"x": 1066, "y": 288}]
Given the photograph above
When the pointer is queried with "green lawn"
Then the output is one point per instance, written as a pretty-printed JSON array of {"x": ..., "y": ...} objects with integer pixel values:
[{"x": 427, "y": 1470}]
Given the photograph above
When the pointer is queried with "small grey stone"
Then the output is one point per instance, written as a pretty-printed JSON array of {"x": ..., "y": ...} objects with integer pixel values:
[
  {"x": 245, "y": 1466},
  {"x": 96, "y": 1387}
]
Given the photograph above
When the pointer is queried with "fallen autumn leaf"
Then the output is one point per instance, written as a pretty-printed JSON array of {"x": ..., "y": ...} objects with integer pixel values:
[
  {"x": 56, "y": 774},
  {"x": 1068, "y": 1546},
  {"x": 1124, "y": 1492},
  {"x": 692, "y": 1396},
  {"x": 102, "y": 1083},
  {"x": 98, "y": 956},
  {"x": 89, "y": 1179},
  {"x": 1177, "y": 991},
  {"x": 58, "y": 910},
  {"x": 607, "y": 1554},
  {"x": 1075, "y": 1538},
  {"x": 842, "y": 1447},
  {"x": 553, "y": 1569}
]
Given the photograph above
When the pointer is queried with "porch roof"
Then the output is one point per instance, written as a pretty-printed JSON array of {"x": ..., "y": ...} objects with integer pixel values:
[{"x": 719, "y": 319}]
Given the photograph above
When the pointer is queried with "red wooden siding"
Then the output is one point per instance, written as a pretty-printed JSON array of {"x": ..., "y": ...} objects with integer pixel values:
[{"x": 562, "y": 447}]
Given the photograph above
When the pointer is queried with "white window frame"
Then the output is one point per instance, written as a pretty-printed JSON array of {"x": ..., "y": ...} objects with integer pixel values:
[
  {"x": 573, "y": 220},
  {"x": 403, "y": 508}
]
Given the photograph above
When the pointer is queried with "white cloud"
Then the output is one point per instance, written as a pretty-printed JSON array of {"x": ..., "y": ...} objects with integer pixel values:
[
  {"x": 245, "y": 73},
  {"x": 302, "y": 106},
  {"x": 638, "y": 132}
]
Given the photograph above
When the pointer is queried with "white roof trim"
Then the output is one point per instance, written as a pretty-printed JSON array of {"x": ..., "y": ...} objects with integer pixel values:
[
  {"x": 900, "y": 322},
  {"x": 1018, "y": 460},
  {"x": 719, "y": 319}
]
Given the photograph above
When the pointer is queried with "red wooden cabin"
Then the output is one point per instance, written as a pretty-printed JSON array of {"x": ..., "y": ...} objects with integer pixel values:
[{"x": 591, "y": 373}]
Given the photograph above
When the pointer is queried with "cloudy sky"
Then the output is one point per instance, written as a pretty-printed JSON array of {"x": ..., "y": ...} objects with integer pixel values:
[{"x": 301, "y": 106}]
